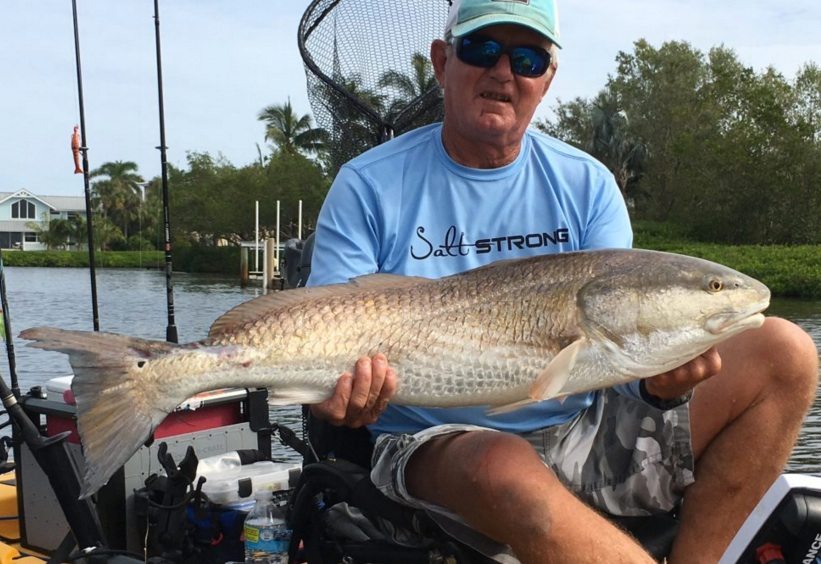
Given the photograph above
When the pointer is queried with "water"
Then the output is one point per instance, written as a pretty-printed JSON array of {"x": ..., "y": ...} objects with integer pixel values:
[{"x": 134, "y": 302}]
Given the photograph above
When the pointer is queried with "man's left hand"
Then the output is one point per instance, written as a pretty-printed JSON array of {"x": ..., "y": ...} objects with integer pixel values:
[{"x": 681, "y": 380}]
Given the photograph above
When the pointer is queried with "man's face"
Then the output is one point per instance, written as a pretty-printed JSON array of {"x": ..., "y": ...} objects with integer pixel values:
[{"x": 490, "y": 105}]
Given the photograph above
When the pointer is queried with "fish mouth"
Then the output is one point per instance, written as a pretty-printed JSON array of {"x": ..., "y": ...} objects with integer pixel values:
[{"x": 730, "y": 323}]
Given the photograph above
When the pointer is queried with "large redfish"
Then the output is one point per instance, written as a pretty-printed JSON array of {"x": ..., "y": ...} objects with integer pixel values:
[{"x": 502, "y": 335}]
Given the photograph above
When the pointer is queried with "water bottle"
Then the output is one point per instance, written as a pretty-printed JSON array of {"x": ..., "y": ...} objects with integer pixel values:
[{"x": 266, "y": 534}]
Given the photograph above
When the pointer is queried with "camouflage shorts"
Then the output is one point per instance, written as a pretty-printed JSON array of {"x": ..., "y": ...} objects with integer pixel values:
[{"x": 620, "y": 455}]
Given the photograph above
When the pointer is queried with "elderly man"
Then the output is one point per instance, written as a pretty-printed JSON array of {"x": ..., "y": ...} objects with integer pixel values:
[{"x": 436, "y": 201}]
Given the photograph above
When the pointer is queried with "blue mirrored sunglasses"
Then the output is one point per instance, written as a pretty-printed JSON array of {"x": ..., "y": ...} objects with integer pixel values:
[{"x": 525, "y": 60}]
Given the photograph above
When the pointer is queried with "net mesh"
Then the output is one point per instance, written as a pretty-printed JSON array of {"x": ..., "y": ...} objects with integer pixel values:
[{"x": 368, "y": 69}]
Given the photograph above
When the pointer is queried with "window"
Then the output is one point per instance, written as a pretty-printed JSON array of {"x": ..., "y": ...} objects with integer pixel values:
[
  {"x": 10, "y": 240},
  {"x": 22, "y": 209},
  {"x": 30, "y": 237}
]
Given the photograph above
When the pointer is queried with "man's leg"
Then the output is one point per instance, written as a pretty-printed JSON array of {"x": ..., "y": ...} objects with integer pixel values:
[
  {"x": 501, "y": 487},
  {"x": 744, "y": 422}
]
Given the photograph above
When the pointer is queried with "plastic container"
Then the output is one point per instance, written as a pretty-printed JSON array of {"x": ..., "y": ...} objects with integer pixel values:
[
  {"x": 225, "y": 463},
  {"x": 234, "y": 486},
  {"x": 266, "y": 534},
  {"x": 59, "y": 389}
]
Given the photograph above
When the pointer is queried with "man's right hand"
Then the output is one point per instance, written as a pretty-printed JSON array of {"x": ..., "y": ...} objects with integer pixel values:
[{"x": 359, "y": 398}]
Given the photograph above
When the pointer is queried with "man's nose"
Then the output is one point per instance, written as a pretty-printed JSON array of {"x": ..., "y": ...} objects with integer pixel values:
[{"x": 503, "y": 67}]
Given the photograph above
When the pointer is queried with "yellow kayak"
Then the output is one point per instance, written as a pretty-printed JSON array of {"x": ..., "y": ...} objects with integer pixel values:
[{"x": 10, "y": 550}]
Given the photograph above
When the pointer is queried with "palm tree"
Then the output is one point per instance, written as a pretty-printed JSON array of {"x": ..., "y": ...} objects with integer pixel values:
[
  {"x": 118, "y": 194},
  {"x": 612, "y": 144},
  {"x": 350, "y": 129},
  {"x": 409, "y": 87},
  {"x": 54, "y": 234},
  {"x": 290, "y": 133}
]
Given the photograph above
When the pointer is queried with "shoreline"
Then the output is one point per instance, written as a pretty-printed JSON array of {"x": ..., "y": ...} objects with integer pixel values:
[{"x": 789, "y": 271}]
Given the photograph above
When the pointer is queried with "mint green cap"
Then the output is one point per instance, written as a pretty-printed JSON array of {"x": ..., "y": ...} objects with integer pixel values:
[{"x": 467, "y": 16}]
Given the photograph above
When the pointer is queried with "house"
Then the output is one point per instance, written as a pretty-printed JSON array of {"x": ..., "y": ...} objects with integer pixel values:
[{"x": 20, "y": 211}]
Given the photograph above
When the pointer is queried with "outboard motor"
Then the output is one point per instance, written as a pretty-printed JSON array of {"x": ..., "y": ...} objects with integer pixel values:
[
  {"x": 785, "y": 526},
  {"x": 297, "y": 257},
  {"x": 291, "y": 257}
]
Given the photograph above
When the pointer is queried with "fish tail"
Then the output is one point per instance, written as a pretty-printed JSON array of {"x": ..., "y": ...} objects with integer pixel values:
[{"x": 117, "y": 411}]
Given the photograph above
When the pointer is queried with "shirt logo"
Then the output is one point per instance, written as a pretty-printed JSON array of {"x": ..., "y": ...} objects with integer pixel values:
[{"x": 455, "y": 244}]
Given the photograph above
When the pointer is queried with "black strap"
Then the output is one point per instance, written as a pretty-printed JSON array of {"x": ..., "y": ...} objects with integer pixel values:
[{"x": 290, "y": 439}]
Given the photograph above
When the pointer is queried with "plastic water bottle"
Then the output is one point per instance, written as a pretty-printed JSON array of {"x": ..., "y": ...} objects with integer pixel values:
[{"x": 266, "y": 534}]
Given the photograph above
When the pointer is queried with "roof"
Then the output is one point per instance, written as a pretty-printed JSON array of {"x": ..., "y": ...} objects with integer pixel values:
[{"x": 58, "y": 203}]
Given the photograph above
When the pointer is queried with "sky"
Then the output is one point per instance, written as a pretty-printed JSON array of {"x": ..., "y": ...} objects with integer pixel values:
[{"x": 224, "y": 60}]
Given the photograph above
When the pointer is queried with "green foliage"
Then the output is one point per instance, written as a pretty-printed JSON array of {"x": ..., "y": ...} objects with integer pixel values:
[
  {"x": 185, "y": 259},
  {"x": 789, "y": 271},
  {"x": 408, "y": 87},
  {"x": 601, "y": 127},
  {"x": 291, "y": 133},
  {"x": 223, "y": 260},
  {"x": 351, "y": 131},
  {"x": 79, "y": 259},
  {"x": 116, "y": 196},
  {"x": 214, "y": 200},
  {"x": 728, "y": 154}
]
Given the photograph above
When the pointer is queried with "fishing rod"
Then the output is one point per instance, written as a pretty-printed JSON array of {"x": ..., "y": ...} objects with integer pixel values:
[
  {"x": 171, "y": 329},
  {"x": 84, "y": 150},
  {"x": 4, "y": 304}
]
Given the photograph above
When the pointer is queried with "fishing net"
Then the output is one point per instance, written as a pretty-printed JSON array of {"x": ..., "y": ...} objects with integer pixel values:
[{"x": 368, "y": 68}]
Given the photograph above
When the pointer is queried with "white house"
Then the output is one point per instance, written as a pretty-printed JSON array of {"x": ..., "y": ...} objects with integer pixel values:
[{"x": 19, "y": 210}]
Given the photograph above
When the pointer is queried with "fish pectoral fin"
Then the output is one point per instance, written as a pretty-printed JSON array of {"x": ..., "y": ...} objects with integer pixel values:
[
  {"x": 509, "y": 407},
  {"x": 296, "y": 396},
  {"x": 552, "y": 379}
]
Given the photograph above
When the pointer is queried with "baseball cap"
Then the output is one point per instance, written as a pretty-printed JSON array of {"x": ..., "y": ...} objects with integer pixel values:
[{"x": 466, "y": 16}]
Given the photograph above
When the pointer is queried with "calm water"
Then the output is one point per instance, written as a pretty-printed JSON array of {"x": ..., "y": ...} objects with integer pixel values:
[{"x": 133, "y": 302}]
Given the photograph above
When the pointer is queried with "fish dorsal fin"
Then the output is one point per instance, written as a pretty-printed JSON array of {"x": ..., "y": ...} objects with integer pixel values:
[
  {"x": 259, "y": 307},
  {"x": 382, "y": 281}
]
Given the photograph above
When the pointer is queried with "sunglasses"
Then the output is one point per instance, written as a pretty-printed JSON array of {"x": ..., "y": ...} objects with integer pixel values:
[{"x": 525, "y": 60}]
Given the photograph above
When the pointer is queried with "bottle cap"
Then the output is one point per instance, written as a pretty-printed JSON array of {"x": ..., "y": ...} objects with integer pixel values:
[{"x": 265, "y": 495}]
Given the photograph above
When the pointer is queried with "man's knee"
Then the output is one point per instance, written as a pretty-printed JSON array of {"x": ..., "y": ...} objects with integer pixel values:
[
  {"x": 789, "y": 358},
  {"x": 496, "y": 467},
  {"x": 501, "y": 461},
  {"x": 777, "y": 357},
  {"x": 506, "y": 476}
]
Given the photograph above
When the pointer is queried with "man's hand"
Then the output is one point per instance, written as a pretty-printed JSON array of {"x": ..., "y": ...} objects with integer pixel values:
[
  {"x": 359, "y": 398},
  {"x": 681, "y": 380}
]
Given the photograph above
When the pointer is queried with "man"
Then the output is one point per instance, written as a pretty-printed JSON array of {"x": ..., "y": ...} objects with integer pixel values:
[{"x": 449, "y": 197}]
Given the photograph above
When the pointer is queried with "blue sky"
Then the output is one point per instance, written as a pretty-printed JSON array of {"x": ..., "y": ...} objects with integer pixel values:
[{"x": 225, "y": 60}]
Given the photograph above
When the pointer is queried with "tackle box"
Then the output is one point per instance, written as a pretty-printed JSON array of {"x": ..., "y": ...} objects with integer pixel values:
[{"x": 235, "y": 487}]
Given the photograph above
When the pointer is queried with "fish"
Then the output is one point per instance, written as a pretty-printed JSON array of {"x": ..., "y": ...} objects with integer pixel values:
[
  {"x": 503, "y": 335},
  {"x": 75, "y": 149}
]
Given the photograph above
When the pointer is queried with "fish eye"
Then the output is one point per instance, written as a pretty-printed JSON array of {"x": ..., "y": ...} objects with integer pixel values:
[{"x": 715, "y": 285}]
